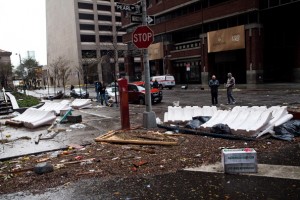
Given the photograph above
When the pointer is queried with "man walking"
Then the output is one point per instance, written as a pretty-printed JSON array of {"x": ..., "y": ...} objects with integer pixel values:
[
  {"x": 98, "y": 87},
  {"x": 230, "y": 85},
  {"x": 214, "y": 84},
  {"x": 103, "y": 96}
]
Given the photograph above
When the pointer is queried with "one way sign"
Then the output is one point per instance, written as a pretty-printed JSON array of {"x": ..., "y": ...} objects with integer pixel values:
[{"x": 138, "y": 19}]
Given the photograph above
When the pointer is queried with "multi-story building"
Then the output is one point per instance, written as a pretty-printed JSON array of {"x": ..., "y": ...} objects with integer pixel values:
[
  {"x": 256, "y": 40},
  {"x": 5, "y": 69},
  {"x": 85, "y": 33}
]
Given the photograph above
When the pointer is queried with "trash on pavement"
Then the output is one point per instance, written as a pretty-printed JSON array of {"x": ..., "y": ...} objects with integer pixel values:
[
  {"x": 77, "y": 126},
  {"x": 239, "y": 160},
  {"x": 43, "y": 168},
  {"x": 220, "y": 129},
  {"x": 287, "y": 131},
  {"x": 193, "y": 124},
  {"x": 75, "y": 146},
  {"x": 42, "y": 160}
]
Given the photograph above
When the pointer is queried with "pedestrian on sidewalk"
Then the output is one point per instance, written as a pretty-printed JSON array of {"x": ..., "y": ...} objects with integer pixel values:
[
  {"x": 103, "y": 95},
  {"x": 229, "y": 86},
  {"x": 98, "y": 87},
  {"x": 155, "y": 84},
  {"x": 214, "y": 85}
]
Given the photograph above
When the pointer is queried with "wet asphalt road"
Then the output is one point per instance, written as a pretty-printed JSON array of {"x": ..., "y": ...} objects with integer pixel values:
[
  {"x": 181, "y": 185},
  {"x": 184, "y": 184}
]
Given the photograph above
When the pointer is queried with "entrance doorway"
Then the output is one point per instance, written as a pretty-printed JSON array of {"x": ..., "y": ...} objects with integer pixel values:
[{"x": 230, "y": 61}]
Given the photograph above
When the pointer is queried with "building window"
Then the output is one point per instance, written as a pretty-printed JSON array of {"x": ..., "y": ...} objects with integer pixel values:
[
  {"x": 105, "y": 28},
  {"x": 105, "y": 38},
  {"x": 104, "y": 18},
  {"x": 108, "y": 53},
  {"x": 85, "y": 6},
  {"x": 103, "y": 53},
  {"x": 118, "y": 19},
  {"x": 86, "y": 16},
  {"x": 104, "y": 8},
  {"x": 87, "y": 38},
  {"x": 88, "y": 54},
  {"x": 87, "y": 27},
  {"x": 119, "y": 39}
]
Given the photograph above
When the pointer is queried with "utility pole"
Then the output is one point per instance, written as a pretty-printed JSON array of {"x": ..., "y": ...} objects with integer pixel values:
[{"x": 149, "y": 117}]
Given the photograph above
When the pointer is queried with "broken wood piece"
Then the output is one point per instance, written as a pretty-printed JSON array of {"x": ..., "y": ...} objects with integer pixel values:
[
  {"x": 52, "y": 125},
  {"x": 37, "y": 139},
  {"x": 150, "y": 137},
  {"x": 137, "y": 142},
  {"x": 90, "y": 172},
  {"x": 14, "y": 123},
  {"x": 140, "y": 163},
  {"x": 42, "y": 160},
  {"x": 57, "y": 130},
  {"x": 21, "y": 170},
  {"x": 78, "y": 161},
  {"x": 108, "y": 134},
  {"x": 76, "y": 146},
  {"x": 50, "y": 137},
  {"x": 5, "y": 141}
]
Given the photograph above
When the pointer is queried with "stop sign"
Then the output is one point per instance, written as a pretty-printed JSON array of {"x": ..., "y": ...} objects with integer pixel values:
[{"x": 142, "y": 37}]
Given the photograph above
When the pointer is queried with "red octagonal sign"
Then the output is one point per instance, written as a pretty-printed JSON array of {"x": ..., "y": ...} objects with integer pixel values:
[{"x": 142, "y": 37}]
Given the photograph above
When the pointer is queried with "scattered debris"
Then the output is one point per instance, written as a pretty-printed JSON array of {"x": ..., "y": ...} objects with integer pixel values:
[
  {"x": 148, "y": 138},
  {"x": 12, "y": 140},
  {"x": 42, "y": 168},
  {"x": 77, "y": 126}
]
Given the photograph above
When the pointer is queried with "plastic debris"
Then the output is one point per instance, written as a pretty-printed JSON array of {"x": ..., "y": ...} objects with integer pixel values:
[
  {"x": 77, "y": 126},
  {"x": 43, "y": 168}
]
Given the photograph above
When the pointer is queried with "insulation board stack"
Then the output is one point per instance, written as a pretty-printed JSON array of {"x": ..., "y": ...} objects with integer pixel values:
[{"x": 239, "y": 160}]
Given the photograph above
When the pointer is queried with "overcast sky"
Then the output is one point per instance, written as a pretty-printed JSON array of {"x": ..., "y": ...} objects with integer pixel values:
[{"x": 23, "y": 28}]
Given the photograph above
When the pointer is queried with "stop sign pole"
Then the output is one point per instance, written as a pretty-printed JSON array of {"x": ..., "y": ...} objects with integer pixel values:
[{"x": 149, "y": 118}]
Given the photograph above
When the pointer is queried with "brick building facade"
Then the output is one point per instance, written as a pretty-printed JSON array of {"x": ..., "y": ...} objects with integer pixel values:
[{"x": 185, "y": 29}]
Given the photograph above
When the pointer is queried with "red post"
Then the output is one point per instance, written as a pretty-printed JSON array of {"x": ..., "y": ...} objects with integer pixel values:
[{"x": 124, "y": 106}]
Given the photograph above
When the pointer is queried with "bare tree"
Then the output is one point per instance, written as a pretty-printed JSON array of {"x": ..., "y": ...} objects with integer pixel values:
[
  {"x": 64, "y": 73},
  {"x": 55, "y": 68},
  {"x": 88, "y": 67}
]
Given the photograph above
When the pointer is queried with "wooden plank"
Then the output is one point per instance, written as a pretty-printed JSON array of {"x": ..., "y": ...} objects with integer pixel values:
[{"x": 140, "y": 142}]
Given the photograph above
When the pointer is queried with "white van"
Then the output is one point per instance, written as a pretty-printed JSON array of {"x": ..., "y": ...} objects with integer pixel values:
[{"x": 164, "y": 81}]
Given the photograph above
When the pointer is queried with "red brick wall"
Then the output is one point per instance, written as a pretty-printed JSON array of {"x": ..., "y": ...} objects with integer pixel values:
[
  {"x": 192, "y": 19},
  {"x": 186, "y": 53}
]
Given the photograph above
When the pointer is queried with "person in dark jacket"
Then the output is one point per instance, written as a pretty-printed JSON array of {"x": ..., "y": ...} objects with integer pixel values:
[
  {"x": 98, "y": 87},
  {"x": 103, "y": 95},
  {"x": 214, "y": 85},
  {"x": 155, "y": 84},
  {"x": 229, "y": 86}
]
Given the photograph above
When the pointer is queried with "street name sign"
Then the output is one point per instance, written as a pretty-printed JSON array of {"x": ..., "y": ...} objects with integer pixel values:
[{"x": 128, "y": 8}]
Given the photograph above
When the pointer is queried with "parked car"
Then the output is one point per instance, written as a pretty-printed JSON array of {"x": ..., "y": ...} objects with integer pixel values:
[
  {"x": 136, "y": 94},
  {"x": 112, "y": 92},
  {"x": 79, "y": 93},
  {"x": 164, "y": 81}
]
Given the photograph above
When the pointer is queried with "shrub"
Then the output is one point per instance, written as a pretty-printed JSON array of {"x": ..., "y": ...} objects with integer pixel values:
[{"x": 25, "y": 100}]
